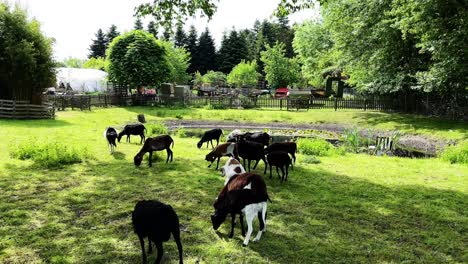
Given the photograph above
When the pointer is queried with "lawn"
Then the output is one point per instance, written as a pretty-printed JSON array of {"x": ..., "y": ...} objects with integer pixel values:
[{"x": 347, "y": 209}]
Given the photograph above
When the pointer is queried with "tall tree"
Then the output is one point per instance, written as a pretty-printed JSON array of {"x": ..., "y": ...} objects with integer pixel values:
[
  {"x": 180, "y": 37},
  {"x": 138, "y": 24},
  {"x": 233, "y": 50},
  {"x": 98, "y": 47},
  {"x": 111, "y": 34},
  {"x": 280, "y": 70},
  {"x": 205, "y": 57},
  {"x": 153, "y": 29},
  {"x": 191, "y": 46},
  {"x": 166, "y": 34}
]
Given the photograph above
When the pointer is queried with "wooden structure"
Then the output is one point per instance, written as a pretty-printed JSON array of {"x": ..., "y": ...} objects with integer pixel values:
[{"x": 24, "y": 110}]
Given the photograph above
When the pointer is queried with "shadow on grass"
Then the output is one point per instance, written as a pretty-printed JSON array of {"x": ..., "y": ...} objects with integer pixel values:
[
  {"x": 119, "y": 155},
  {"x": 316, "y": 217},
  {"x": 35, "y": 123},
  {"x": 416, "y": 122}
]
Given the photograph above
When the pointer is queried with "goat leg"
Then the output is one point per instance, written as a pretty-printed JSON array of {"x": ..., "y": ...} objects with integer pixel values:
[
  {"x": 176, "y": 235},
  {"x": 142, "y": 244},
  {"x": 150, "y": 159},
  {"x": 150, "y": 248},
  {"x": 241, "y": 218},
  {"x": 233, "y": 223},
  {"x": 159, "y": 246}
]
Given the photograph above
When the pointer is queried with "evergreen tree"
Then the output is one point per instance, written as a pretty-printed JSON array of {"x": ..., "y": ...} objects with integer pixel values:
[
  {"x": 191, "y": 46},
  {"x": 138, "y": 24},
  {"x": 166, "y": 35},
  {"x": 153, "y": 29},
  {"x": 233, "y": 50},
  {"x": 205, "y": 57},
  {"x": 179, "y": 38},
  {"x": 285, "y": 34},
  {"x": 98, "y": 47},
  {"x": 111, "y": 34}
]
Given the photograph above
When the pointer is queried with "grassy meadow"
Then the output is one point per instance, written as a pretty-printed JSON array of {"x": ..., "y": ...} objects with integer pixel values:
[{"x": 351, "y": 208}]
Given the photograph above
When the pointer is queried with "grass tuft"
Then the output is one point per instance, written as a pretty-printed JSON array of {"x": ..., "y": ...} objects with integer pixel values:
[{"x": 456, "y": 154}]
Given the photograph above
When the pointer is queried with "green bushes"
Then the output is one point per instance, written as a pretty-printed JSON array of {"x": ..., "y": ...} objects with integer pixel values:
[
  {"x": 157, "y": 128},
  {"x": 315, "y": 146},
  {"x": 49, "y": 154},
  {"x": 456, "y": 154}
]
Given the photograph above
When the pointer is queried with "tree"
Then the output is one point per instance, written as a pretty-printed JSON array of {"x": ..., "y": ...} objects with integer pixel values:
[
  {"x": 153, "y": 29},
  {"x": 178, "y": 59},
  {"x": 167, "y": 35},
  {"x": 191, "y": 46},
  {"x": 215, "y": 78},
  {"x": 205, "y": 56},
  {"x": 26, "y": 62},
  {"x": 180, "y": 37},
  {"x": 233, "y": 50},
  {"x": 111, "y": 34},
  {"x": 95, "y": 63},
  {"x": 71, "y": 62},
  {"x": 138, "y": 24},
  {"x": 244, "y": 74},
  {"x": 98, "y": 47},
  {"x": 136, "y": 58},
  {"x": 280, "y": 70}
]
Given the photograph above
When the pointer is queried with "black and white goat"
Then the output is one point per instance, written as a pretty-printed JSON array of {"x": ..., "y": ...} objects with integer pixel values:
[
  {"x": 225, "y": 149},
  {"x": 245, "y": 193},
  {"x": 259, "y": 137},
  {"x": 133, "y": 129},
  {"x": 232, "y": 137},
  {"x": 157, "y": 221},
  {"x": 111, "y": 135},
  {"x": 281, "y": 160},
  {"x": 155, "y": 144},
  {"x": 209, "y": 136},
  {"x": 288, "y": 147},
  {"x": 249, "y": 150}
]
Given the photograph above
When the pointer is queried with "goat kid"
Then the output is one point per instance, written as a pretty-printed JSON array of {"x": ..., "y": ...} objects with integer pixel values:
[
  {"x": 281, "y": 160},
  {"x": 209, "y": 136},
  {"x": 155, "y": 144},
  {"x": 249, "y": 151},
  {"x": 231, "y": 168},
  {"x": 156, "y": 221},
  {"x": 111, "y": 135},
  {"x": 289, "y": 147},
  {"x": 133, "y": 129},
  {"x": 225, "y": 149}
]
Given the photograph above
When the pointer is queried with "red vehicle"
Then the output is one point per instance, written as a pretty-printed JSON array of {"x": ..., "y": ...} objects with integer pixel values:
[{"x": 281, "y": 93}]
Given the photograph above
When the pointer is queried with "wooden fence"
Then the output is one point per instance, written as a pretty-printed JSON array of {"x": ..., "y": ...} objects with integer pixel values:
[
  {"x": 85, "y": 102},
  {"x": 24, "y": 110}
]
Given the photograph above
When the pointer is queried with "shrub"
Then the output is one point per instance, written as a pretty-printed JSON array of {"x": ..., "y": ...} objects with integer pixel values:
[
  {"x": 316, "y": 146},
  {"x": 353, "y": 141},
  {"x": 181, "y": 133},
  {"x": 456, "y": 154},
  {"x": 310, "y": 160},
  {"x": 157, "y": 128},
  {"x": 50, "y": 153}
]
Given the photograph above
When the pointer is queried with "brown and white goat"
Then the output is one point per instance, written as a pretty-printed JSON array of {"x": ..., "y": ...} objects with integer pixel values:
[
  {"x": 225, "y": 149},
  {"x": 155, "y": 144},
  {"x": 245, "y": 193},
  {"x": 231, "y": 168}
]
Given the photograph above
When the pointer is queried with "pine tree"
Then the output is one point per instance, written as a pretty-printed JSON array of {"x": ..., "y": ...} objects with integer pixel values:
[
  {"x": 233, "y": 50},
  {"x": 179, "y": 38},
  {"x": 167, "y": 35},
  {"x": 138, "y": 24},
  {"x": 111, "y": 34},
  {"x": 285, "y": 35},
  {"x": 153, "y": 29},
  {"x": 205, "y": 57},
  {"x": 191, "y": 46},
  {"x": 98, "y": 47}
]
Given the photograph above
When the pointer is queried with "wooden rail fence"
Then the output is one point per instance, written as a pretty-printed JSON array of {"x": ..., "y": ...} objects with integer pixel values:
[{"x": 24, "y": 110}]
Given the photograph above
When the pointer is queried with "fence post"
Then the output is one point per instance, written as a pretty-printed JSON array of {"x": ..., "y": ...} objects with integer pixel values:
[
  {"x": 281, "y": 104},
  {"x": 365, "y": 104},
  {"x": 336, "y": 103}
]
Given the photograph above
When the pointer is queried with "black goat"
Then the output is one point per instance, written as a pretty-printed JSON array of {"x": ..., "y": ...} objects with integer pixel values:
[
  {"x": 209, "y": 136},
  {"x": 259, "y": 137},
  {"x": 157, "y": 221},
  {"x": 111, "y": 135},
  {"x": 288, "y": 147},
  {"x": 249, "y": 150},
  {"x": 155, "y": 144},
  {"x": 133, "y": 129},
  {"x": 279, "y": 159}
]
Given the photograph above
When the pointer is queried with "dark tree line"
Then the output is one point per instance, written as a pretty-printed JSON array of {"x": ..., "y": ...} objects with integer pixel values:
[{"x": 101, "y": 43}]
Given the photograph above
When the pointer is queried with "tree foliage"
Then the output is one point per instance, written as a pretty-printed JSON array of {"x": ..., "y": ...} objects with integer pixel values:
[
  {"x": 191, "y": 43},
  {"x": 244, "y": 74},
  {"x": 72, "y": 62},
  {"x": 26, "y": 64},
  {"x": 180, "y": 37},
  {"x": 280, "y": 70},
  {"x": 233, "y": 50},
  {"x": 204, "y": 58},
  {"x": 138, "y": 25},
  {"x": 98, "y": 45},
  {"x": 153, "y": 29},
  {"x": 95, "y": 63},
  {"x": 111, "y": 34},
  {"x": 214, "y": 78},
  {"x": 137, "y": 58},
  {"x": 178, "y": 60}
]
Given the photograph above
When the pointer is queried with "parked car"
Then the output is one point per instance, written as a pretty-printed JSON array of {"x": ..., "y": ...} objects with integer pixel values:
[{"x": 281, "y": 93}]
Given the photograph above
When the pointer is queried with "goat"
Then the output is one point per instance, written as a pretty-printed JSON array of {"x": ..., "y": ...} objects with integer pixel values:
[
  {"x": 249, "y": 151},
  {"x": 232, "y": 137},
  {"x": 209, "y": 136},
  {"x": 288, "y": 147},
  {"x": 231, "y": 168},
  {"x": 259, "y": 137},
  {"x": 225, "y": 149},
  {"x": 133, "y": 129},
  {"x": 241, "y": 181},
  {"x": 155, "y": 144},
  {"x": 111, "y": 135},
  {"x": 157, "y": 221},
  {"x": 279, "y": 159}
]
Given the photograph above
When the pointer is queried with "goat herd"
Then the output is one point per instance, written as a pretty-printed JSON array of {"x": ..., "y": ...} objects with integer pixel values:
[{"x": 244, "y": 193}]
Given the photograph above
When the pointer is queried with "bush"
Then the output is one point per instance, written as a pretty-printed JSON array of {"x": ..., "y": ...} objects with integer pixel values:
[
  {"x": 456, "y": 154},
  {"x": 181, "y": 133},
  {"x": 353, "y": 140},
  {"x": 310, "y": 160},
  {"x": 49, "y": 154},
  {"x": 157, "y": 128},
  {"x": 316, "y": 146}
]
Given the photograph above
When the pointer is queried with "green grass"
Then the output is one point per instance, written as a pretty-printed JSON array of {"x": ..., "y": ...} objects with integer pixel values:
[{"x": 346, "y": 209}]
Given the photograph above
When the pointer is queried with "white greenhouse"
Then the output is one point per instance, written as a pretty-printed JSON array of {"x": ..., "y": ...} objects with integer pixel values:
[{"x": 82, "y": 80}]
